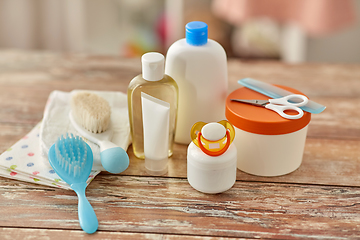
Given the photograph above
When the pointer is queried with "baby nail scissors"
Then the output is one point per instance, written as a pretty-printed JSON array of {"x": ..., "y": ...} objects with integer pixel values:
[{"x": 280, "y": 105}]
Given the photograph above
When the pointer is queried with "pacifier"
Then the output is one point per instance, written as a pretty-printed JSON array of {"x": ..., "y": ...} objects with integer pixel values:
[{"x": 213, "y": 138}]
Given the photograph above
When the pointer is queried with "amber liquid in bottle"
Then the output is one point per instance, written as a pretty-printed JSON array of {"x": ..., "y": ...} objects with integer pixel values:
[{"x": 165, "y": 89}]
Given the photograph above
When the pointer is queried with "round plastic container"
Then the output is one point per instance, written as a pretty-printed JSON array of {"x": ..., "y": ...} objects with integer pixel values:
[
  {"x": 211, "y": 157},
  {"x": 267, "y": 144},
  {"x": 211, "y": 174}
]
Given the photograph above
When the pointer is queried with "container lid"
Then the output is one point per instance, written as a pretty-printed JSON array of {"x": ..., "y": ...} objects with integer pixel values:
[
  {"x": 196, "y": 33},
  {"x": 260, "y": 120},
  {"x": 152, "y": 66}
]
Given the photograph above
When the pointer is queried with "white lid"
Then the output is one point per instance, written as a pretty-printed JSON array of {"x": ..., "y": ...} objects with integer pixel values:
[{"x": 152, "y": 66}]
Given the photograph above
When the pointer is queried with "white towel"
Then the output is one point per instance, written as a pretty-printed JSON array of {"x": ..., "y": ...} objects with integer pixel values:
[{"x": 56, "y": 122}]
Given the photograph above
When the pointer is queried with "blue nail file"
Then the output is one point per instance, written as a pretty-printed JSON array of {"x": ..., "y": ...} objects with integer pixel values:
[{"x": 276, "y": 92}]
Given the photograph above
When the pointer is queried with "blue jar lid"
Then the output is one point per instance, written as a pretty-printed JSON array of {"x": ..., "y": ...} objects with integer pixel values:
[{"x": 196, "y": 33}]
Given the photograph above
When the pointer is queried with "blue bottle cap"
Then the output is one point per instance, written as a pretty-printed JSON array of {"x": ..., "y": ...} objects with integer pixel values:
[{"x": 196, "y": 33}]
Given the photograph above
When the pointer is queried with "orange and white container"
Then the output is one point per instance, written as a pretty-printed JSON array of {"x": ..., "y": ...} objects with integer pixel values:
[
  {"x": 267, "y": 144},
  {"x": 211, "y": 157}
]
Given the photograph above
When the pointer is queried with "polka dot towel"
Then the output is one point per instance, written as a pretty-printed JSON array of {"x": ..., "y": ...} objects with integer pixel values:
[{"x": 23, "y": 162}]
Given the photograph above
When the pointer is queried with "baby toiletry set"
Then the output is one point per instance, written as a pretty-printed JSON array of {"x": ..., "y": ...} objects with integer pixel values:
[
  {"x": 83, "y": 132},
  {"x": 269, "y": 140}
]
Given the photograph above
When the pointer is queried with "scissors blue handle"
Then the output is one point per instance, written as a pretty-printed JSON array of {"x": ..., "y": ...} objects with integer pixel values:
[{"x": 280, "y": 105}]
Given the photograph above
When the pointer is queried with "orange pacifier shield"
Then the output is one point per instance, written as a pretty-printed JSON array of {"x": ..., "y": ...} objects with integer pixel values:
[{"x": 213, "y": 138}]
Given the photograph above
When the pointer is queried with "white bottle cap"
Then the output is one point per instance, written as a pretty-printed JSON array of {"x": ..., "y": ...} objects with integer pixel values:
[{"x": 152, "y": 66}]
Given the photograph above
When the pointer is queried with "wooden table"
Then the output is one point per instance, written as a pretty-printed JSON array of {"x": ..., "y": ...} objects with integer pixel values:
[{"x": 319, "y": 200}]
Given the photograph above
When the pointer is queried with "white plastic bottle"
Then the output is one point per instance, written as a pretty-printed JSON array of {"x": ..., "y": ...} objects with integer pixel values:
[{"x": 199, "y": 67}]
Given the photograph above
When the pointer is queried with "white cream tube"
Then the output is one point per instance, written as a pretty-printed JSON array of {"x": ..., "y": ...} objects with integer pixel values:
[{"x": 156, "y": 117}]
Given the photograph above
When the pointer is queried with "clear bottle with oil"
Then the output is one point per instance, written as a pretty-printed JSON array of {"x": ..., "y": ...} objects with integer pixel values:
[{"x": 155, "y": 83}]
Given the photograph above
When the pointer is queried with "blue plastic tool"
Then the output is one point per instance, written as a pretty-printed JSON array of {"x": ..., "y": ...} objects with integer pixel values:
[
  {"x": 113, "y": 158},
  {"x": 72, "y": 160},
  {"x": 276, "y": 92}
]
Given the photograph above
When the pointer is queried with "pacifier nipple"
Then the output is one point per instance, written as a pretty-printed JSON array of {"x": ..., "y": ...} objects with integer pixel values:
[
  {"x": 213, "y": 131},
  {"x": 213, "y": 138}
]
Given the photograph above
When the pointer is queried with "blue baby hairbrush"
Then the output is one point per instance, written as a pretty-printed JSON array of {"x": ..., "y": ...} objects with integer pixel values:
[{"x": 72, "y": 160}]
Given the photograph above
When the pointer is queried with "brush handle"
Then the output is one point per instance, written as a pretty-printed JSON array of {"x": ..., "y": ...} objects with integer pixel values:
[
  {"x": 114, "y": 159},
  {"x": 87, "y": 217}
]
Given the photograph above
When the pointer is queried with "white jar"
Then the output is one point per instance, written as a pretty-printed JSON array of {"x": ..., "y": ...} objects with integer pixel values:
[
  {"x": 199, "y": 67},
  {"x": 211, "y": 174},
  {"x": 267, "y": 144}
]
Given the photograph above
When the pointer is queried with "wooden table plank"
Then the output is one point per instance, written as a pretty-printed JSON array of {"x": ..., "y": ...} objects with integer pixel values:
[
  {"x": 313, "y": 79},
  {"x": 171, "y": 206},
  {"x": 57, "y": 70},
  {"x": 21, "y": 234}
]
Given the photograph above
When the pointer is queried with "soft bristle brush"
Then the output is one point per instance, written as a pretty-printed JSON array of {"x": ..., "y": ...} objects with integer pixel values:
[
  {"x": 90, "y": 115},
  {"x": 72, "y": 160},
  {"x": 91, "y": 111}
]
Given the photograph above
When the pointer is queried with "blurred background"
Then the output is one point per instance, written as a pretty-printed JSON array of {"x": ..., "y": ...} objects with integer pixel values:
[{"x": 291, "y": 31}]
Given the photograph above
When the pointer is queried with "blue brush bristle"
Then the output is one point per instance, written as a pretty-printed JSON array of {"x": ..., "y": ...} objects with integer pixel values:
[{"x": 71, "y": 154}]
